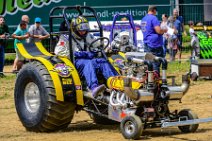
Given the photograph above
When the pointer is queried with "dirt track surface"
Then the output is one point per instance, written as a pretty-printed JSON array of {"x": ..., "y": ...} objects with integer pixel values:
[{"x": 82, "y": 127}]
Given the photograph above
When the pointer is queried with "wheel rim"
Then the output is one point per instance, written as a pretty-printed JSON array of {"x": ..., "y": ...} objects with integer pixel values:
[
  {"x": 32, "y": 97},
  {"x": 129, "y": 127}
]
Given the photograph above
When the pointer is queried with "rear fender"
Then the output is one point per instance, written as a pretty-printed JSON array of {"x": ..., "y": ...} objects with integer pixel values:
[{"x": 39, "y": 53}]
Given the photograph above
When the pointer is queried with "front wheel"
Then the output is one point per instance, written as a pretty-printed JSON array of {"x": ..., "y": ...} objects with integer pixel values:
[
  {"x": 131, "y": 127},
  {"x": 189, "y": 115},
  {"x": 36, "y": 103}
]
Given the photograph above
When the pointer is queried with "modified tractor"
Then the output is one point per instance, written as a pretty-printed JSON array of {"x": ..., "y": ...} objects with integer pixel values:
[{"x": 48, "y": 89}]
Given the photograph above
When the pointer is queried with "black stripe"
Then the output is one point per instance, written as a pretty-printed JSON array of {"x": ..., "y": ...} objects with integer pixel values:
[{"x": 32, "y": 49}]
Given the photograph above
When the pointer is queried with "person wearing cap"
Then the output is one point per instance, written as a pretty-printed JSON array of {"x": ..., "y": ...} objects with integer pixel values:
[
  {"x": 20, "y": 36},
  {"x": 37, "y": 31},
  {"x": 153, "y": 35}
]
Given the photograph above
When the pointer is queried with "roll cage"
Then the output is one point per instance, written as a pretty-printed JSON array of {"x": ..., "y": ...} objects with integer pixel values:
[{"x": 90, "y": 12}]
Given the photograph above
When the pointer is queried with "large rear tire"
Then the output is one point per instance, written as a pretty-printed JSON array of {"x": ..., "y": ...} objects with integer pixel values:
[{"x": 36, "y": 103}]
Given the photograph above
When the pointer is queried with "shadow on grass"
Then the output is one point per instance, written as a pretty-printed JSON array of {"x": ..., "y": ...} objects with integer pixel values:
[
  {"x": 88, "y": 125},
  {"x": 148, "y": 134}
]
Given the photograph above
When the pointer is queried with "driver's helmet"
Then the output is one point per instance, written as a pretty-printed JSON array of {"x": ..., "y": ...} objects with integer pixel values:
[{"x": 78, "y": 24}]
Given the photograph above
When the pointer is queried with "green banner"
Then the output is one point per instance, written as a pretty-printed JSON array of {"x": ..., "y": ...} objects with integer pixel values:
[{"x": 14, "y": 9}]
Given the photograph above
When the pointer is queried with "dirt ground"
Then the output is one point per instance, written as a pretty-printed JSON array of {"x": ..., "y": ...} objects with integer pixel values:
[{"x": 82, "y": 127}]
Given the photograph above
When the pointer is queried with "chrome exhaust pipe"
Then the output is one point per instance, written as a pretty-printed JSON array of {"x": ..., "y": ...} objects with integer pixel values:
[
  {"x": 177, "y": 92},
  {"x": 145, "y": 96}
]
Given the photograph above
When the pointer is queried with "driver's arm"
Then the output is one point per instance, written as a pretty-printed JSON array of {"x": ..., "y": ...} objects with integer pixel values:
[{"x": 90, "y": 38}]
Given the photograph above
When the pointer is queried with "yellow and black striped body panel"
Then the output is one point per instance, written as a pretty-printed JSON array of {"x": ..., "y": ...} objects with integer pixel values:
[{"x": 64, "y": 84}]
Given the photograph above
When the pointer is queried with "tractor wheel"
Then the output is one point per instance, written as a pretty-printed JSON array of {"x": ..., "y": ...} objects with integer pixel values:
[
  {"x": 36, "y": 103},
  {"x": 190, "y": 115},
  {"x": 194, "y": 76},
  {"x": 131, "y": 127}
]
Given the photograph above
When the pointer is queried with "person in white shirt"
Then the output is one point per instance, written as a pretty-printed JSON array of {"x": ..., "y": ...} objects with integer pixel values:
[
  {"x": 172, "y": 38},
  {"x": 163, "y": 25}
]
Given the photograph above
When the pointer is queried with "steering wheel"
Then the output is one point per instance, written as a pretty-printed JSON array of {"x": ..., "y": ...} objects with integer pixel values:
[{"x": 99, "y": 48}]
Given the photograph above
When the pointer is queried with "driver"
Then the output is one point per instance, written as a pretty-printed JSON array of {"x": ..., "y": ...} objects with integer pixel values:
[{"x": 86, "y": 62}]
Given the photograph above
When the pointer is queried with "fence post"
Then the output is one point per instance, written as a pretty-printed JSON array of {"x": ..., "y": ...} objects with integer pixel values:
[{"x": 171, "y": 7}]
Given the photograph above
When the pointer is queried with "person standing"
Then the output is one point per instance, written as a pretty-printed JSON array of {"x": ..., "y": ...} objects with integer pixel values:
[
  {"x": 172, "y": 38},
  {"x": 179, "y": 24},
  {"x": 20, "y": 36},
  {"x": 153, "y": 35},
  {"x": 163, "y": 25},
  {"x": 37, "y": 31},
  {"x": 26, "y": 19},
  {"x": 194, "y": 41},
  {"x": 17, "y": 62},
  {"x": 3, "y": 31}
]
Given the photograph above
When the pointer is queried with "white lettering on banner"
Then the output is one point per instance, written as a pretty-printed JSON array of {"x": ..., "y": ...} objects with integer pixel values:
[{"x": 110, "y": 13}]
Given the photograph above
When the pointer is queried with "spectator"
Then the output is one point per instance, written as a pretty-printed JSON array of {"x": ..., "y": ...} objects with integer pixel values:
[
  {"x": 3, "y": 31},
  {"x": 20, "y": 36},
  {"x": 124, "y": 19},
  {"x": 172, "y": 38},
  {"x": 26, "y": 19},
  {"x": 153, "y": 39},
  {"x": 179, "y": 24},
  {"x": 163, "y": 25},
  {"x": 37, "y": 31},
  {"x": 194, "y": 41},
  {"x": 199, "y": 24}
]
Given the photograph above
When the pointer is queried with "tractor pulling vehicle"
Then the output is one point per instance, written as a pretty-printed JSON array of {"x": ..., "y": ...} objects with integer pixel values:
[{"x": 48, "y": 90}]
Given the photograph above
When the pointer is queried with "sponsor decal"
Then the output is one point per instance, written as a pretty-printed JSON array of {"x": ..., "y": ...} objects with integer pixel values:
[
  {"x": 63, "y": 70},
  {"x": 123, "y": 115},
  {"x": 78, "y": 87},
  {"x": 115, "y": 114},
  {"x": 67, "y": 81}
]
